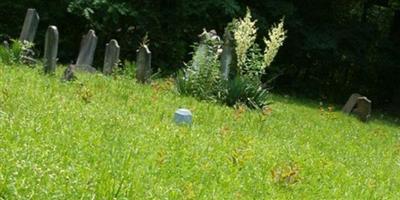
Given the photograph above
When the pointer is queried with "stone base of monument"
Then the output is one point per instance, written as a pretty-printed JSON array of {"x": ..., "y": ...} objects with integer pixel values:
[{"x": 86, "y": 68}]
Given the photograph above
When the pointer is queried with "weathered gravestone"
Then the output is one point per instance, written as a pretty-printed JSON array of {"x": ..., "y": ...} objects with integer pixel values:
[
  {"x": 6, "y": 44},
  {"x": 111, "y": 58},
  {"x": 359, "y": 105},
  {"x": 203, "y": 50},
  {"x": 30, "y": 26},
  {"x": 227, "y": 57},
  {"x": 351, "y": 103},
  {"x": 69, "y": 73},
  {"x": 51, "y": 50},
  {"x": 363, "y": 108},
  {"x": 143, "y": 64},
  {"x": 86, "y": 53}
]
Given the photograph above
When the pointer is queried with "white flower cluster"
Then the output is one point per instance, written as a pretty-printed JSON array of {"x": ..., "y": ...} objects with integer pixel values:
[
  {"x": 245, "y": 35},
  {"x": 277, "y": 36}
]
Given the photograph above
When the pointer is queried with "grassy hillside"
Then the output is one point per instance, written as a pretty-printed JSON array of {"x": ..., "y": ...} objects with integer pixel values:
[{"x": 106, "y": 137}]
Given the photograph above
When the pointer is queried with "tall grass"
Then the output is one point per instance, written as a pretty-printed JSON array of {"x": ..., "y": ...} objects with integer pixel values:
[{"x": 111, "y": 138}]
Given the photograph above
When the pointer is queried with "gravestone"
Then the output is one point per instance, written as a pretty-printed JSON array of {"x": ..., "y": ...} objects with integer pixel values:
[
  {"x": 51, "y": 50},
  {"x": 351, "y": 103},
  {"x": 6, "y": 44},
  {"x": 143, "y": 64},
  {"x": 227, "y": 56},
  {"x": 30, "y": 26},
  {"x": 363, "y": 108},
  {"x": 199, "y": 55},
  {"x": 183, "y": 116},
  {"x": 358, "y": 105},
  {"x": 69, "y": 73},
  {"x": 86, "y": 53},
  {"x": 202, "y": 54},
  {"x": 111, "y": 58}
]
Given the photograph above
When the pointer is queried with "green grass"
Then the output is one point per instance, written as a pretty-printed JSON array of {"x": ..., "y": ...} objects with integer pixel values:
[{"x": 107, "y": 137}]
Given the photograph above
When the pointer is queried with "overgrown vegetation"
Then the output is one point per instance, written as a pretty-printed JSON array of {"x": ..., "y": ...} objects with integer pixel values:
[
  {"x": 203, "y": 76},
  {"x": 104, "y": 137},
  {"x": 14, "y": 53}
]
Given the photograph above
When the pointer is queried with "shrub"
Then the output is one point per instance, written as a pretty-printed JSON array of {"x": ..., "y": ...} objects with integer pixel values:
[
  {"x": 15, "y": 53},
  {"x": 202, "y": 76}
]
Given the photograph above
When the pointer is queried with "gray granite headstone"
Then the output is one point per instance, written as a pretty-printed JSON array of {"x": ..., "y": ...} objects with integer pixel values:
[
  {"x": 51, "y": 50},
  {"x": 227, "y": 57},
  {"x": 351, "y": 103},
  {"x": 111, "y": 58},
  {"x": 143, "y": 64},
  {"x": 363, "y": 108},
  {"x": 86, "y": 53},
  {"x": 201, "y": 53},
  {"x": 30, "y": 26}
]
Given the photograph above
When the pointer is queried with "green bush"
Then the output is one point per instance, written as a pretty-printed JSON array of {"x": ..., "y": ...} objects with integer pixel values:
[
  {"x": 202, "y": 76},
  {"x": 15, "y": 53}
]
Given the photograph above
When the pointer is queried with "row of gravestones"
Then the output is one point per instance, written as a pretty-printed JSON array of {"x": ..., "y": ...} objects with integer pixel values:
[
  {"x": 356, "y": 104},
  {"x": 86, "y": 53}
]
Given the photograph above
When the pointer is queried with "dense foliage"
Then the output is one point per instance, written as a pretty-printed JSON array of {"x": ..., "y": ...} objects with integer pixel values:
[
  {"x": 235, "y": 78},
  {"x": 334, "y": 48}
]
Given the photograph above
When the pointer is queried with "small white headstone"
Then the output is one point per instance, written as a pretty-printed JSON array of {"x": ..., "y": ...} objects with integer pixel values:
[{"x": 183, "y": 116}]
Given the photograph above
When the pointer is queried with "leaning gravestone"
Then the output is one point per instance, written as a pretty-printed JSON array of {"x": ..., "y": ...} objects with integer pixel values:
[
  {"x": 351, "y": 103},
  {"x": 86, "y": 53},
  {"x": 358, "y": 105},
  {"x": 227, "y": 56},
  {"x": 143, "y": 64},
  {"x": 51, "y": 50},
  {"x": 30, "y": 26},
  {"x": 363, "y": 108},
  {"x": 111, "y": 58}
]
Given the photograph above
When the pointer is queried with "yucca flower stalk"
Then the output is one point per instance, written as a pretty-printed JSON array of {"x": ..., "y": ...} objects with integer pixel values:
[
  {"x": 277, "y": 36},
  {"x": 245, "y": 36}
]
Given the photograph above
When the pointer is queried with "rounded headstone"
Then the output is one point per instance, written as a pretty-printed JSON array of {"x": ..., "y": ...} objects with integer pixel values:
[{"x": 183, "y": 116}]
